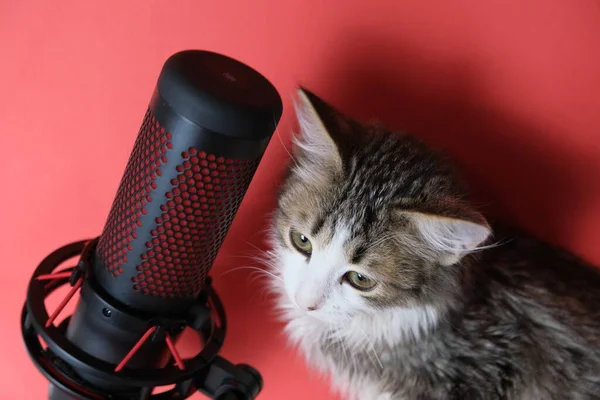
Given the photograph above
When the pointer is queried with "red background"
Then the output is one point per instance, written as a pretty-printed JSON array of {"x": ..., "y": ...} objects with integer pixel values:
[{"x": 510, "y": 88}]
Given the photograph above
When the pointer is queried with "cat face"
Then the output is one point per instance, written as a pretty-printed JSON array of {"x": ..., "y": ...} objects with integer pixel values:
[
  {"x": 324, "y": 283},
  {"x": 367, "y": 220}
]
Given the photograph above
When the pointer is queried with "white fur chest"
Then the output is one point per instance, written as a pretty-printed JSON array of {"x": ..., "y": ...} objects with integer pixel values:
[
  {"x": 369, "y": 334},
  {"x": 308, "y": 334}
]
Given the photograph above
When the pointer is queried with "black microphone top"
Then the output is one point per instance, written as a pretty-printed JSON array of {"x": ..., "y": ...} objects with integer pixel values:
[
  {"x": 208, "y": 124},
  {"x": 220, "y": 94}
]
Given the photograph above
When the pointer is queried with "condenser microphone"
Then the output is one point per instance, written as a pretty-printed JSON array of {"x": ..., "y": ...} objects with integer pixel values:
[{"x": 146, "y": 277}]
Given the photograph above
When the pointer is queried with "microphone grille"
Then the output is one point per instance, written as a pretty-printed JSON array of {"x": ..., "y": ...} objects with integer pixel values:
[
  {"x": 195, "y": 212},
  {"x": 135, "y": 191}
]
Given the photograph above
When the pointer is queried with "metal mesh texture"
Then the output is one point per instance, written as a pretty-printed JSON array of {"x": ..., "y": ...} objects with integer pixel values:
[
  {"x": 135, "y": 191},
  {"x": 196, "y": 212},
  {"x": 196, "y": 215}
]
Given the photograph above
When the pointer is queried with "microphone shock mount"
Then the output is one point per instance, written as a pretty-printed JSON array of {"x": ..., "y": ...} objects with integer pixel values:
[{"x": 74, "y": 373}]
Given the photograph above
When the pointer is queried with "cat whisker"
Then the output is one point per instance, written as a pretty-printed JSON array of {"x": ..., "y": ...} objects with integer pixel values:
[
  {"x": 494, "y": 245},
  {"x": 265, "y": 293},
  {"x": 259, "y": 260},
  {"x": 264, "y": 257},
  {"x": 365, "y": 337},
  {"x": 249, "y": 256},
  {"x": 278, "y": 134},
  {"x": 373, "y": 350},
  {"x": 345, "y": 351},
  {"x": 272, "y": 264},
  {"x": 254, "y": 246},
  {"x": 256, "y": 269}
]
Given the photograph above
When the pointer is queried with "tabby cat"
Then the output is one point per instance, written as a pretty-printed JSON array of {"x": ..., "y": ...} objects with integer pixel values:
[{"x": 395, "y": 286}]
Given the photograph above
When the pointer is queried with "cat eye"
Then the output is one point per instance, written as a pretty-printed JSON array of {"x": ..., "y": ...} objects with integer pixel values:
[
  {"x": 359, "y": 281},
  {"x": 301, "y": 243}
]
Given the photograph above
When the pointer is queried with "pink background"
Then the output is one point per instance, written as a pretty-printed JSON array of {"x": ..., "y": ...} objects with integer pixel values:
[{"x": 511, "y": 88}]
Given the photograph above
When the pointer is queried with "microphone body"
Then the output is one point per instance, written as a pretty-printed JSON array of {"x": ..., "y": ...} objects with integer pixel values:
[
  {"x": 207, "y": 127},
  {"x": 145, "y": 278}
]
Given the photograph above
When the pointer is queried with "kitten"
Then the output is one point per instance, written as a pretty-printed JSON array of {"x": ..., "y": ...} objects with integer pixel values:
[{"x": 392, "y": 284}]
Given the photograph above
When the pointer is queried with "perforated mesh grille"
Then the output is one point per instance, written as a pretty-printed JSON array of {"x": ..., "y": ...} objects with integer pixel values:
[
  {"x": 196, "y": 214},
  {"x": 134, "y": 193}
]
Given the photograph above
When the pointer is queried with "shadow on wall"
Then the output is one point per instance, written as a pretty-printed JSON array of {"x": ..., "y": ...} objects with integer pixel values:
[{"x": 518, "y": 173}]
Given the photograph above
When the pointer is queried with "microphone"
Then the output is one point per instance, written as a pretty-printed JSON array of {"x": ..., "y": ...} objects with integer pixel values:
[{"x": 145, "y": 279}]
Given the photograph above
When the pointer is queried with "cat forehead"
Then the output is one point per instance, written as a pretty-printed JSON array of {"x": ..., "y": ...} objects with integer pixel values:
[
  {"x": 362, "y": 202},
  {"x": 376, "y": 174}
]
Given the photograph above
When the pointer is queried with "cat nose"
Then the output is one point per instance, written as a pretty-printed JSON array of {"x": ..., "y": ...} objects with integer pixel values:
[{"x": 312, "y": 307}]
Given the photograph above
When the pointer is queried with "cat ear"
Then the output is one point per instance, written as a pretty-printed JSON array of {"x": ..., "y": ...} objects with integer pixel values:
[
  {"x": 450, "y": 238},
  {"x": 315, "y": 142}
]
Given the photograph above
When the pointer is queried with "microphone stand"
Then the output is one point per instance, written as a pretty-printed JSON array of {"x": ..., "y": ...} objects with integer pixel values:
[{"x": 70, "y": 369}]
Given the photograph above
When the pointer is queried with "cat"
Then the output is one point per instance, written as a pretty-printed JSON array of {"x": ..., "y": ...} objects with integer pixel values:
[{"x": 394, "y": 285}]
